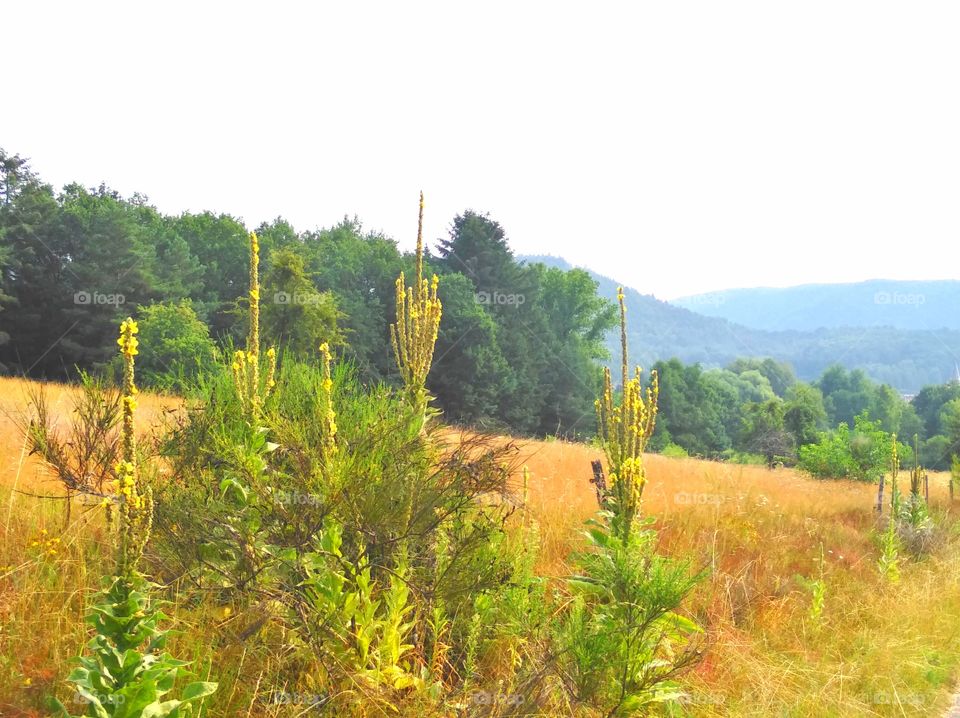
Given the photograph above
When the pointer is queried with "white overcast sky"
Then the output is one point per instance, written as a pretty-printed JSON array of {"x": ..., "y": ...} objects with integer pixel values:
[{"x": 679, "y": 147}]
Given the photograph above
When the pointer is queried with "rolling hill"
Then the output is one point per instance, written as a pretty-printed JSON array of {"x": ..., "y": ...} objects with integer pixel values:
[
  {"x": 907, "y": 358},
  {"x": 912, "y": 305}
]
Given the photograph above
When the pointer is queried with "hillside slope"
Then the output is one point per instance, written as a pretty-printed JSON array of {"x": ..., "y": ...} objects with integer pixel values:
[
  {"x": 905, "y": 359},
  {"x": 912, "y": 305}
]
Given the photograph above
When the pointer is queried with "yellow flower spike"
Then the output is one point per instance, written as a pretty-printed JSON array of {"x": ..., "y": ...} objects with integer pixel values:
[
  {"x": 135, "y": 515},
  {"x": 252, "y": 384},
  {"x": 415, "y": 332},
  {"x": 330, "y": 424},
  {"x": 624, "y": 429}
]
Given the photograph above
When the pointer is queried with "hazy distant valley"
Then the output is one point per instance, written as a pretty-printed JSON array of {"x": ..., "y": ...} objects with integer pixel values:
[{"x": 903, "y": 333}]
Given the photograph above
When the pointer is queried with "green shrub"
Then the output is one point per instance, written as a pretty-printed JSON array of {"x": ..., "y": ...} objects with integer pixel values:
[
  {"x": 674, "y": 451},
  {"x": 862, "y": 454},
  {"x": 176, "y": 346},
  {"x": 745, "y": 458},
  {"x": 622, "y": 642}
]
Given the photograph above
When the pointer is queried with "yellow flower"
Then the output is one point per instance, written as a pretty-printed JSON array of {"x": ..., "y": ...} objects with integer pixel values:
[
  {"x": 127, "y": 341},
  {"x": 27, "y": 682}
]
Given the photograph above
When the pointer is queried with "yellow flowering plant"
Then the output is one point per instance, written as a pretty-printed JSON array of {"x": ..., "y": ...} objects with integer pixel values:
[
  {"x": 414, "y": 335},
  {"x": 252, "y": 384},
  {"x": 125, "y": 672},
  {"x": 625, "y": 427}
]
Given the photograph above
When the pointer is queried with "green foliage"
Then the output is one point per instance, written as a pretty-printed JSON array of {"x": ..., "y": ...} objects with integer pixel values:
[
  {"x": 744, "y": 458},
  {"x": 268, "y": 512},
  {"x": 366, "y": 630},
  {"x": 470, "y": 372},
  {"x": 126, "y": 674},
  {"x": 763, "y": 431},
  {"x": 693, "y": 407},
  {"x": 779, "y": 375},
  {"x": 861, "y": 454},
  {"x": 295, "y": 315},
  {"x": 541, "y": 347},
  {"x": 176, "y": 346},
  {"x": 623, "y": 642},
  {"x": 674, "y": 451},
  {"x": 929, "y": 404},
  {"x": 71, "y": 264},
  {"x": 889, "y": 561},
  {"x": 818, "y": 590},
  {"x": 804, "y": 415}
]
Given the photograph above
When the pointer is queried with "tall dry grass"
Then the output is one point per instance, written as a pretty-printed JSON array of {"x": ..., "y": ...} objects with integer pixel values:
[{"x": 878, "y": 649}]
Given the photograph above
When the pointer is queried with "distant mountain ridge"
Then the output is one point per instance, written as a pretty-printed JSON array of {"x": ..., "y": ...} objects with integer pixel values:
[
  {"x": 913, "y": 305},
  {"x": 907, "y": 359}
]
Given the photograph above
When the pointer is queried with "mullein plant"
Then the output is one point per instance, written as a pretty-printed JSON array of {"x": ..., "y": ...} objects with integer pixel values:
[
  {"x": 624, "y": 430},
  {"x": 253, "y": 386},
  {"x": 622, "y": 640},
  {"x": 125, "y": 672},
  {"x": 889, "y": 562},
  {"x": 414, "y": 335},
  {"x": 818, "y": 590},
  {"x": 329, "y": 415}
]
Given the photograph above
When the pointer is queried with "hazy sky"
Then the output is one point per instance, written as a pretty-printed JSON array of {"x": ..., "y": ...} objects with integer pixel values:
[{"x": 677, "y": 146}]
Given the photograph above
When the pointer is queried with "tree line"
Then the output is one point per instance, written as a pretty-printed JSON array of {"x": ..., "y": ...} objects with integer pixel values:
[
  {"x": 520, "y": 347},
  {"x": 757, "y": 410}
]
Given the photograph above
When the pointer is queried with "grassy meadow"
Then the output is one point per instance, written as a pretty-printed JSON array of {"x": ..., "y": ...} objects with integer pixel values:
[{"x": 874, "y": 648}]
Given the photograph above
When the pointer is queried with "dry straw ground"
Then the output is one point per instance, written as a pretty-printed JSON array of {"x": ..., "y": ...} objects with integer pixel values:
[{"x": 877, "y": 649}]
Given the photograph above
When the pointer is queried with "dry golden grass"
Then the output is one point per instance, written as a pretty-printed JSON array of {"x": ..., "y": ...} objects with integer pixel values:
[
  {"x": 16, "y": 467},
  {"x": 878, "y": 650}
]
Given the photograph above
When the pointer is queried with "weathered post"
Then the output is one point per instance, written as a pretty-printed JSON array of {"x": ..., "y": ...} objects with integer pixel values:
[
  {"x": 880, "y": 496},
  {"x": 600, "y": 482}
]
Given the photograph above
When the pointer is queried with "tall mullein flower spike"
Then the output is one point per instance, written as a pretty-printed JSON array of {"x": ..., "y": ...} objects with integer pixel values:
[
  {"x": 134, "y": 499},
  {"x": 624, "y": 430},
  {"x": 894, "y": 483},
  {"x": 414, "y": 335},
  {"x": 330, "y": 417},
  {"x": 252, "y": 387},
  {"x": 253, "y": 339}
]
